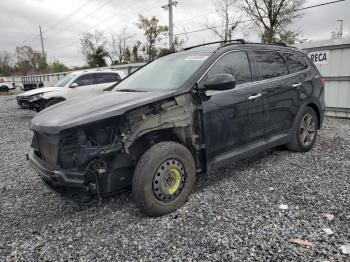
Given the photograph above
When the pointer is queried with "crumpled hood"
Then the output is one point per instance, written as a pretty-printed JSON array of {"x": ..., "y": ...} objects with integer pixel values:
[
  {"x": 40, "y": 90},
  {"x": 75, "y": 112}
]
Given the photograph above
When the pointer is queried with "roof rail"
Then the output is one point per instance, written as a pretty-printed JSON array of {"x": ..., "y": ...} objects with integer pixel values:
[{"x": 241, "y": 41}]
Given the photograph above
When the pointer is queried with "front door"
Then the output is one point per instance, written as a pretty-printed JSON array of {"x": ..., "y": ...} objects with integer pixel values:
[
  {"x": 232, "y": 118},
  {"x": 85, "y": 86}
]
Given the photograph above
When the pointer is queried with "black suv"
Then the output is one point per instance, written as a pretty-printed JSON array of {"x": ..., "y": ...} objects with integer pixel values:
[{"x": 178, "y": 116}]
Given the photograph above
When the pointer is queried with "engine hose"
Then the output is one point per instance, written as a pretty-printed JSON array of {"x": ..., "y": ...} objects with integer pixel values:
[{"x": 97, "y": 170}]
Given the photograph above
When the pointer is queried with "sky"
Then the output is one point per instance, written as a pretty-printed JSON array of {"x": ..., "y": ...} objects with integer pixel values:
[{"x": 63, "y": 21}]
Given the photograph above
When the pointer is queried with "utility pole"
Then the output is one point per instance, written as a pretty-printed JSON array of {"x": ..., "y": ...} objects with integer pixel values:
[
  {"x": 171, "y": 24},
  {"x": 42, "y": 45},
  {"x": 340, "y": 33}
]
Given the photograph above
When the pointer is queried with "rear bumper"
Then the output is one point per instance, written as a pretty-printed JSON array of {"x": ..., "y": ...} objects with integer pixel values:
[{"x": 65, "y": 178}]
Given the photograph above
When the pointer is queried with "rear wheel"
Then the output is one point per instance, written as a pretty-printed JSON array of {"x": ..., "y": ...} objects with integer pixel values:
[
  {"x": 304, "y": 131},
  {"x": 163, "y": 179}
]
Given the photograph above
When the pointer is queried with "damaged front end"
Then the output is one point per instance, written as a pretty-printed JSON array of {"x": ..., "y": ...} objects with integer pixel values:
[
  {"x": 98, "y": 159},
  {"x": 83, "y": 162}
]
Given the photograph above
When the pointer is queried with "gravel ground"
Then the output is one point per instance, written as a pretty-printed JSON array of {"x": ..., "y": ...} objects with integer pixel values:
[{"x": 234, "y": 213}]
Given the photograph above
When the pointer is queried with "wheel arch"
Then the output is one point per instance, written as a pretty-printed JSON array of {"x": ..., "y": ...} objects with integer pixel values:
[
  {"x": 146, "y": 141},
  {"x": 317, "y": 110}
]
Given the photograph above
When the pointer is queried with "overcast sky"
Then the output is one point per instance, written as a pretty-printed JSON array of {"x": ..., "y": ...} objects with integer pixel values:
[{"x": 63, "y": 21}]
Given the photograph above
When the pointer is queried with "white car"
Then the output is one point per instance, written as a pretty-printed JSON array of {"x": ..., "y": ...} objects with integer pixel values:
[
  {"x": 73, "y": 85},
  {"x": 6, "y": 84}
]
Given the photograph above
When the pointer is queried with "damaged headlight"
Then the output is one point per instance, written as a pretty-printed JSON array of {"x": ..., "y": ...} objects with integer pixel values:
[{"x": 35, "y": 97}]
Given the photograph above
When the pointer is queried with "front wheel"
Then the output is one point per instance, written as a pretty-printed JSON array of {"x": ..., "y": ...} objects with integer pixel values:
[
  {"x": 163, "y": 179},
  {"x": 53, "y": 102},
  {"x": 304, "y": 131}
]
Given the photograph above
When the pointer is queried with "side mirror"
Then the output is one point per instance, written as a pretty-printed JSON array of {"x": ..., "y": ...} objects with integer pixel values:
[
  {"x": 74, "y": 85},
  {"x": 220, "y": 82}
]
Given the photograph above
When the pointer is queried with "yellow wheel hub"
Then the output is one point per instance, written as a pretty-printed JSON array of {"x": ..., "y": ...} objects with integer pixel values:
[
  {"x": 169, "y": 180},
  {"x": 176, "y": 185}
]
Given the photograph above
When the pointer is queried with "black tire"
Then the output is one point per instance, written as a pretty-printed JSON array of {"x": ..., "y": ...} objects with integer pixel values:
[
  {"x": 146, "y": 174},
  {"x": 298, "y": 139},
  {"x": 53, "y": 102},
  {"x": 4, "y": 88}
]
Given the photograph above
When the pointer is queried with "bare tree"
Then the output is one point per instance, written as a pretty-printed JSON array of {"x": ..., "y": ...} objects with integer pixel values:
[
  {"x": 225, "y": 9},
  {"x": 119, "y": 45},
  {"x": 5, "y": 63},
  {"x": 273, "y": 17},
  {"x": 94, "y": 46},
  {"x": 30, "y": 60}
]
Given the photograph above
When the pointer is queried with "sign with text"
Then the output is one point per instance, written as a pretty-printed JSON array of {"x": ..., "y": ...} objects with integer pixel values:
[{"x": 319, "y": 57}]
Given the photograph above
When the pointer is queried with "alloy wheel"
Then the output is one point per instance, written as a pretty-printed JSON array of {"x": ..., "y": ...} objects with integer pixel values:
[{"x": 307, "y": 129}]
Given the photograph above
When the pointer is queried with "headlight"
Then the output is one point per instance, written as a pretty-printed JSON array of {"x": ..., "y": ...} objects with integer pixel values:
[{"x": 35, "y": 97}]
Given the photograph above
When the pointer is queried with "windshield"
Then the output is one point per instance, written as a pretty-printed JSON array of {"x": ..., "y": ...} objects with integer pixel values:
[
  {"x": 62, "y": 82},
  {"x": 166, "y": 73}
]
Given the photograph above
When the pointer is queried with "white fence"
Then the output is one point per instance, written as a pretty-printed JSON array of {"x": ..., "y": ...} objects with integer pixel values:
[{"x": 332, "y": 58}]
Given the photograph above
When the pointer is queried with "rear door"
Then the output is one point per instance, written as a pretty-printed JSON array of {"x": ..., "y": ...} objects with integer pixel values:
[
  {"x": 105, "y": 79},
  {"x": 279, "y": 95},
  {"x": 232, "y": 118}
]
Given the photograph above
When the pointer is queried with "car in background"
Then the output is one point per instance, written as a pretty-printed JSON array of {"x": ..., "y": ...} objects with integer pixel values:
[
  {"x": 73, "y": 85},
  {"x": 6, "y": 84}
]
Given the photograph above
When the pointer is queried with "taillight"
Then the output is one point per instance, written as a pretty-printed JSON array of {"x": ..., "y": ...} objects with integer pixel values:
[
  {"x": 322, "y": 81},
  {"x": 2, "y": 80},
  {"x": 13, "y": 85}
]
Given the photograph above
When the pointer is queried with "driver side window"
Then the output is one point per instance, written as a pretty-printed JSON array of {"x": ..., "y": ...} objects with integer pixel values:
[
  {"x": 85, "y": 80},
  {"x": 234, "y": 63}
]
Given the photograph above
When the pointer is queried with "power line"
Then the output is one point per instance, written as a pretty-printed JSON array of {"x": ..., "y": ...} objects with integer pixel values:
[
  {"x": 103, "y": 21},
  {"x": 244, "y": 21},
  {"x": 327, "y": 3},
  {"x": 93, "y": 11},
  {"x": 67, "y": 16}
]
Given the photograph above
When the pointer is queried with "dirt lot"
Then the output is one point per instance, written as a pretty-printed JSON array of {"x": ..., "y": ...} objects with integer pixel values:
[{"x": 234, "y": 214}]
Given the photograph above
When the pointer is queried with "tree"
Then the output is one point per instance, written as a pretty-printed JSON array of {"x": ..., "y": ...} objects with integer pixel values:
[
  {"x": 5, "y": 63},
  {"x": 135, "y": 53},
  {"x": 30, "y": 60},
  {"x": 119, "y": 46},
  {"x": 273, "y": 17},
  {"x": 93, "y": 46},
  {"x": 57, "y": 67},
  {"x": 152, "y": 31},
  {"x": 178, "y": 45},
  {"x": 225, "y": 8}
]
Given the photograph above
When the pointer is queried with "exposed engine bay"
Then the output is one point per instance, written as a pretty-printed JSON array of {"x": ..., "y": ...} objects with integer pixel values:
[{"x": 104, "y": 153}]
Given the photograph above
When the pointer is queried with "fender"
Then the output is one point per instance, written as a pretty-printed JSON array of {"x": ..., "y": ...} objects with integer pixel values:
[
  {"x": 315, "y": 105},
  {"x": 54, "y": 94}
]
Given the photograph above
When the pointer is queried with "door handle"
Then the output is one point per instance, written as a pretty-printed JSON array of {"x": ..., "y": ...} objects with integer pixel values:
[
  {"x": 297, "y": 85},
  {"x": 254, "y": 97}
]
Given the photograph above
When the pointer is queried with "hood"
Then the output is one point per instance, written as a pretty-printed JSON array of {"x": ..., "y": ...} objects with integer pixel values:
[
  {"x": 73, "y": 113},
  {"x": 40, "y": 90}
]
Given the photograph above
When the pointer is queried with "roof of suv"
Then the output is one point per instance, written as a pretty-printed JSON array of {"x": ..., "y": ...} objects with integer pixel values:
[{"x": 213, "y": 47}]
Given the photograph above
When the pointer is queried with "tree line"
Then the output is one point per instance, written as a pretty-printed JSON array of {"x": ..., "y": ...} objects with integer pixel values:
[{"x": 272, "y": 19}]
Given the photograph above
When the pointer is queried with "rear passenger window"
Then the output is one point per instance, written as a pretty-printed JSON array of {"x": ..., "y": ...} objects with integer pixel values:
[
  {"x": 270, "y": 64},
  {"x": 295, "y": 62},
  {"x": 106, "y": 78},
  {"x": 236, "y": 64}
]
